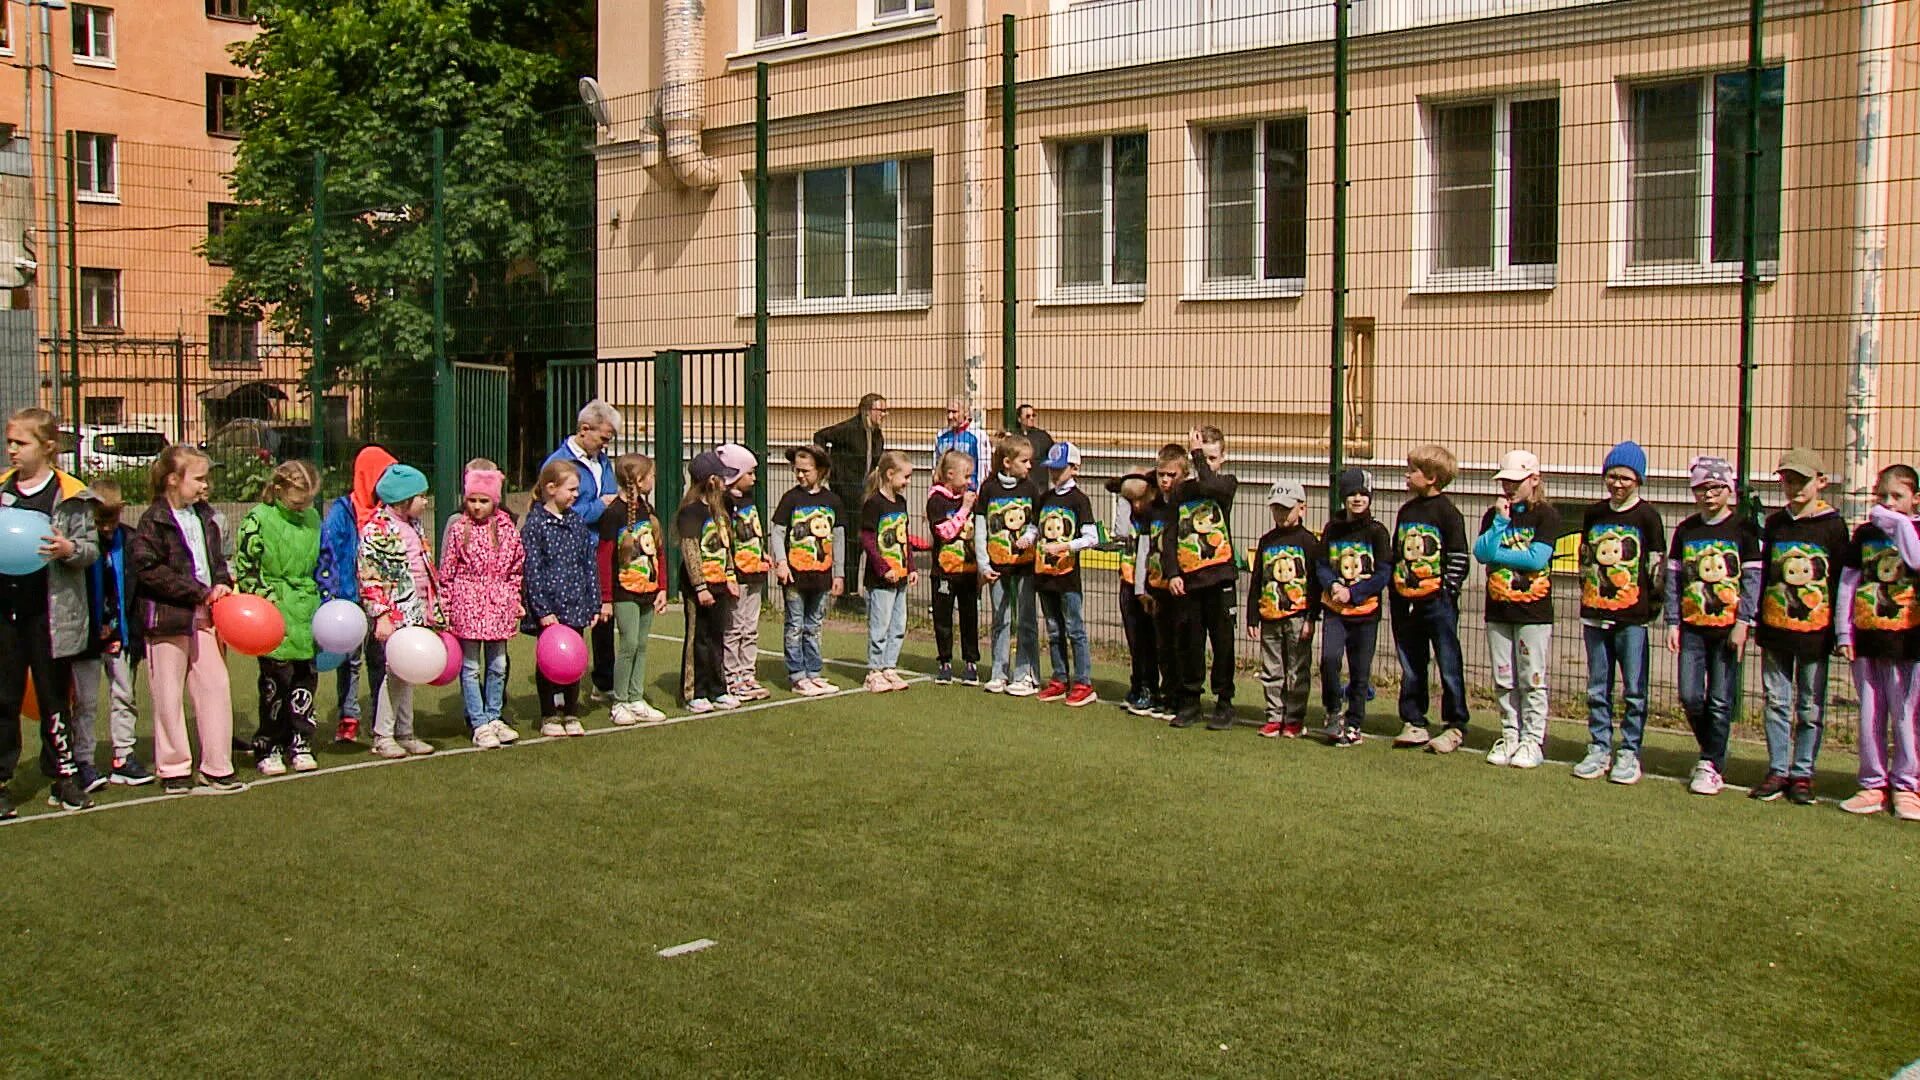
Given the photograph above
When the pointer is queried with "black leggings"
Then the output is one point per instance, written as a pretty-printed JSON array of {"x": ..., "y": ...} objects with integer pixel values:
[
  {"x": 286, "y": 704},
  {"x": 26, "y": 647},
  {"x": 703, "y": 656},
  {"x": 557, "y": 699},
  {"x": 963, "y": 593}
]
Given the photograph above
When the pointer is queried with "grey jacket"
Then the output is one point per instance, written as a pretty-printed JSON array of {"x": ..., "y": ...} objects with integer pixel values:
[{"x": 69, "y": 608}]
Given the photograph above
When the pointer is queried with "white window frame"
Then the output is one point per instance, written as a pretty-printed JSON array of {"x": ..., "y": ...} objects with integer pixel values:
[
  {"x": 910, "y": 10},
  {"x": 1502, "y": 275},
  {"x": 1701, "y": 270},
  {"x": 750, "y": 24},
  {"x": 1258, "y": 287},
  {"x": 903, "y": 298},
  {"x": 1051, "y": 247},
  {"x": 6, "y": 29},
  {"x": 92, "y": 14},
  {"x": 87, "y": 146},
  {"x": 90, "y": 301}
]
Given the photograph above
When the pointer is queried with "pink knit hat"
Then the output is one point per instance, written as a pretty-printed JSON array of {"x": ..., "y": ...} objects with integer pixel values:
[
  {"x": 488, "y": 482},
  {"x": 737, "y": 459}
]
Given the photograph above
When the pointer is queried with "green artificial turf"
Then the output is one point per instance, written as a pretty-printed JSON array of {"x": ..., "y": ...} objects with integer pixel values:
[{"x": 945, "y": 883}]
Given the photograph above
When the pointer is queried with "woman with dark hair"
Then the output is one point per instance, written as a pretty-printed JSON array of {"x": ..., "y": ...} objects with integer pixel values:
[{"x": 853, "y": 448}]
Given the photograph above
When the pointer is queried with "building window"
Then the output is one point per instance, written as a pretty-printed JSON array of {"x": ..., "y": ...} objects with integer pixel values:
[
  {"x": 103, "y": 411},
  {"x": 898, "y": 9},
  {"x": 6, "y": 29},
  {"x": 99, "y": 299},
  {"x": 218, "y": 216},
  {"x": 233, "y": 341},
  {"x": 1686, "y": 172},
  {"x": 92, "y": 35},
  {"x": 1103, "y": 214},
  {"x": 778, "y": 19},
  {"x": 853, "y": 233},
  {"x": 230, "y": 9},
  {"x": 223, "y": 104},
  {"x": 1492, "y": 207},
  {"x": 96, "y": 166},
  {"x": 1255, "y": 183}
]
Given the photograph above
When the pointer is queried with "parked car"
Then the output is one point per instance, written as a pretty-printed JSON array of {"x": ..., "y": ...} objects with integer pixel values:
[{"x": 106, "y": 449}]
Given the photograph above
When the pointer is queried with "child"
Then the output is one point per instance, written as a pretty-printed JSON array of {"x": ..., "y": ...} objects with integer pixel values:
[
  {"x": 956, "y": 574},
  {"x": 115, "y": 653},
  {"x": 1879, "y": 630},
  {"x": 561, "y": 585},
  {"x": 883, "y": 535},
  {"x": 482, "y": 563},
  {"x": 1067, "y": 527},
  {"x": 275, "y": 552},
  {"x": 749, "y": 569},
  {"x": 1429, "y": 570},
  {"x": 810, "y": 562},
  {"x": 1517, "y": 535},
  {"x": 1283, "y": 600},
  {"x": 1003, "y": 536},
  {"x": 707, "y": 585},
  {"x": 1172, "y": 468},
  {"x": 181, "y": 572},
  {"x": 399, "y": 588},
  {"x": 1200, "y": 569},
  {"x": 1355, "y": 564},
  {"x": 339, "y": 575},
  {"x": 1713, "y": 596},
  {"x": 1622, "y": 540},
  {"x": 961, "y": 438},
  {"x": 1802, "y": 548},
  {"x": 44, "y": 615},
  {"x": 1133, "y": 507},
  {"x": 630, "y": 547}
]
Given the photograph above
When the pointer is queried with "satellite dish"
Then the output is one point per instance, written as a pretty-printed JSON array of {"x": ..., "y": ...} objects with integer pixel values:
[{"x": 595, "y": 101}]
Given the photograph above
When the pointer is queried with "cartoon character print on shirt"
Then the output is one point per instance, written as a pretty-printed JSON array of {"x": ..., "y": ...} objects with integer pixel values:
[
  {"x": 1352, "y": 562},
  {"x": 1007, "y": 517},
  {"x": 1283, "y": 588},
  {"x": 1509, "y": 585},
  {"x": 1417, "y": 575},
  {"x": 1058, "y": 525},
  {"x": 891, "y": 538},
  {"x": 1156, "y": 531},
  {"x": 1796, "y": 595},
  {"x": 714, "y": 569},
  {"x": 810, "y": 541},
  {"x": 1885, "y": 599},
  {"x": 639, "y": 549},
  {"x": 749, "y": 541},
  {"x": 1710, "y": 585},
  {"x": 1610, "y": 574},
  {"x": 1203, "y": 536},
  {"x": 956, "y": 555}
]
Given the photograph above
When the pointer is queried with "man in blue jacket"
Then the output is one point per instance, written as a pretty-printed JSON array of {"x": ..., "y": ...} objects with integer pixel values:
[
  {"x": 960, "y": 435},
  {"x": 586, "y": 451}
]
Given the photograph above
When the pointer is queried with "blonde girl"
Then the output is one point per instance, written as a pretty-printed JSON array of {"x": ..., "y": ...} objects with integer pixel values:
[
  {"x": 481, "y": 565},
  {"x": 883, "y": 536},
  {"x": 275, "y": 553},
  {"x": 562, "y": 584},
  {"x": 631, "y": 562},
  {"x": 708, "y": 586}
]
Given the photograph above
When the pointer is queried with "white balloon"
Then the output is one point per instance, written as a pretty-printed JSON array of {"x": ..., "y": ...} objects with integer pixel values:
[{"x": 416, "y": 655}]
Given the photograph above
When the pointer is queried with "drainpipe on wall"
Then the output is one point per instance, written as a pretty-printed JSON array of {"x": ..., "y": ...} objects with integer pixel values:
[
  {"x": 650, "y": 140},
  {"x": 684, "y": 97},
  {"x": 1869, "y": 255},
  {"x": 973, "y": 217}
]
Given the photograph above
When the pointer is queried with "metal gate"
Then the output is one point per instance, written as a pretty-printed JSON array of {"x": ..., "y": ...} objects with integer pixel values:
[{"x": 480, "y": 428}]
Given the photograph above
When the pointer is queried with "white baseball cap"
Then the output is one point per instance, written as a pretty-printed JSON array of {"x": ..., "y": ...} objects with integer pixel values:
[{"x": 1517, "y": 465}]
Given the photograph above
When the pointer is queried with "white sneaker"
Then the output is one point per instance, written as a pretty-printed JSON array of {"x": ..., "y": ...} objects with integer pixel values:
[
  {"x": 1626, "y": 768},
  {"x": 303, "y": 761},
  {"x": 484, "y": 737},
  {"x": 553, "y": 729},
  {"x": 894, "y": 678},
  {"x": 575, "y": 728},
  {"x": 504, "y": 732},
  {"x": 1706, "y": 780},
  {"x": 272, "y": 765},
  {"x": 1528, "y": 756},
  {"x": 649, "y": 713},
  {"x": 726, "y": 701},
  {"x": 824, "y": 688},
  {"x": 1502, "y": 752},
  {"x": 387, "y": 748},
  {"x": 1594, "y": 765},
  {"x": 699, "y": 705},
  {"x": 995, "y": 686},
  {"x": 877, "y": 683},
  {"x": 1022, "y": 688},
  {"x": 624, "y": 714}
]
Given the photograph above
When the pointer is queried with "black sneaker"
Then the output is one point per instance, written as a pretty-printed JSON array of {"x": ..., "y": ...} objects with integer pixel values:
[
  {"x": 176, "y": 785},
  {"x": 1222, "y": 717},
  {"x": 1186, "y": 717},
  {"x": 7, "y": 812},
  {"x": 1161, "y": 710},
  {"x": 90, "y": 778},
  {"x": 971, "y": 676},
  {"x": 1774, "y": 786},
  {"x": 219, "y": 785},
  {"x": 1350, "y": 735},
  {"x": 1334, "y": 731},
  {"x": 1800, "y": 791},
  {"x": 65, "y": 794},
  {"x": 130, "y": 772},
  {"x": 944, "y": 676},
  {"x": 1138, "y": 704}
]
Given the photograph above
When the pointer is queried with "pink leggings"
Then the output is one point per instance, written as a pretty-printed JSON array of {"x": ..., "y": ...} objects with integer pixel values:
[
  {"x": 1888, "y": 703},
  {"x": 192, "y": 664}
]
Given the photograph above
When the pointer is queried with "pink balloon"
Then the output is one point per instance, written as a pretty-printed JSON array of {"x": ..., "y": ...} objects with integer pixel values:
[
  {"x": 454, "y": 657},
  {"x": 561, "y": 654}
]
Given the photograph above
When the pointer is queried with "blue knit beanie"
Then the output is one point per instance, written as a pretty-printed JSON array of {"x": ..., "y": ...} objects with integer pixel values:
[
  {"x": 1627, "y": 455},
  {"x": 400, "y": 483}
]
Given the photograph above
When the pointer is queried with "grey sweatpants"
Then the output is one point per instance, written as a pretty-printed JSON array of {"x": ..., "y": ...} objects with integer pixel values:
[
  {"x": 1286, "y": 668},
  {"x": 742, "y": 654},
  {"x": 117, "y": 672},
  {"x": 1520, "y": 656}
]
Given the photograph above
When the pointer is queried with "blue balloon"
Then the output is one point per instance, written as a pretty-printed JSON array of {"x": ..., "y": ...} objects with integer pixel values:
[
  {"x": 327, "y": 661},
  {"x": 22, "y": 531}
]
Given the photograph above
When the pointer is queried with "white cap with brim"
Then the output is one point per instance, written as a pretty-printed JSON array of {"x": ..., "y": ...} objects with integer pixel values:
[{"x": 1517, "y": 465}]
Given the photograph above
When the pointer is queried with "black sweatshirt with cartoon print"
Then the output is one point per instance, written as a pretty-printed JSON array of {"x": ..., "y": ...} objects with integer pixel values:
[{"x": 1801, "y": 559}]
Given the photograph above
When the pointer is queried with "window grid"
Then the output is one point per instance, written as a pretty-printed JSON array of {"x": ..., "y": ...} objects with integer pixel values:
[
  {"x": 806, "y": 208},
  {"x": 96, "y": 165},
  {"x": 92, "y": 34},
  {"x": 1493, "y": 203},
  {"x": 900, "y": 9},
  {"x": 776, "y": 20},
  {"x": 232, "y": 342},
  {"x": 1680, "y": 212},
  {"x": 1090, "y": 176},
  {"x": 99, "y": 299},
  {"x": 1269, "y": 243}
]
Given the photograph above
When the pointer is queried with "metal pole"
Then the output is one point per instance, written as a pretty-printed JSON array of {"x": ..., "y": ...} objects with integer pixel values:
[
  {"x": 317, "y": 319},
  {"x": 757, "y": 365},
  {"x": 73, "y": 299},
  {"x": 446, "y": 445},
  {"x": 669, "y": 452},
  {"x": 52, "y": 202},
  {"x": 1867, "y": 310},
  {"x": 1337, "y": 427},
  {"x": 974, "y": 74},
  {"x": 179, "y": 389},
  {"x": 1750, "y": 253},
  {"x": 1009, "y": 227}
]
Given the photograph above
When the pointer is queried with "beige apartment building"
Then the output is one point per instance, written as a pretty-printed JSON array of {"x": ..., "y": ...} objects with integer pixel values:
[{"x": 1544, "y": 231}]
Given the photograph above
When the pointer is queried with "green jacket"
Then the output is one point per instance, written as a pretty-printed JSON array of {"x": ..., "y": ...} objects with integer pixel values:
[{"x": 274, "y": 555}]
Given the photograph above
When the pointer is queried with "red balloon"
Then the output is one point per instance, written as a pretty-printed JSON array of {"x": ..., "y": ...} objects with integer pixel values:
[
  {"x": 454, "y": 659},
  {"x": 250, "y": 624}
]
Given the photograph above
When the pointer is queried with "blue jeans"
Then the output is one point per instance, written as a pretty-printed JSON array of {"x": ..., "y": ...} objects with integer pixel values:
[
  {"x": 483, "y": 701},
  {"x": 347, "y": 679},
  {"x": 805, "y": 612},
  {"x": 1012, "y": 597},
  {"x": 1064, "y": 625},
  {"x": 886, "y": 625},
  {"x": 1706, "y": 691},
  {"x": 1429, "y": 631},
  {"x": 1796, "y": 707},
  {"x": 1624, "y": 646},
  {"x": 1354, "y": 643}
]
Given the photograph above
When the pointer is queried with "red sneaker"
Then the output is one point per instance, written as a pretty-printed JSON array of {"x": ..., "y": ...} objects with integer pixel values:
[
  {"x": 1053, "y": 691},
  {"x": 1293, "y": 729},
  {"x": 1271, "y": 729},
  {"x": 1081, "y": 694},
  {"x": 348, "y": 731}
]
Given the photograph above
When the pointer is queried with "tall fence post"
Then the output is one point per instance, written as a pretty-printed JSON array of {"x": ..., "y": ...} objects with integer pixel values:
[
  {"x": 1750, "y": 249},
  {"x": 758, "y": 366},
  {"x": 1337, "y": 413},
  {"x": 1009, "y": 227},
  {"x": 317, "y": 315},
  {"x": 446, "y": 443},
  {"x": 73, "y": 298},
  {"x": 179, "y": 389},
  {"x": 669, "y": 449}
]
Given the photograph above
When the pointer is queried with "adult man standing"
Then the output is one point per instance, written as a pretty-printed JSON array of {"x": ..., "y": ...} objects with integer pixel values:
[
  {"x": 853, "y": 446},
  {"x": 960, "y": 436},
  {"x": 586, "y": 451},
  {"x": 1042, "y": 442}
]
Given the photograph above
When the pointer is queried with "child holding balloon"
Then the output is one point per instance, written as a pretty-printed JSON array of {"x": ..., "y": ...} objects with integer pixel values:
[
  {"x": 562, "y": 588},
  {"x": 275, "y": 552},
  {"x": 181, "y": 571},
  {"x": 636, "y": 574},
  {"x": 481, "y": 563},
  {"x": 707, "y": 584},
  {"x": 399, "y": 589},
  {"x": 339, "y": 576}
]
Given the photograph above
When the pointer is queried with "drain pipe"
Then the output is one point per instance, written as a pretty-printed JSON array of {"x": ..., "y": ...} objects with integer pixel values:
[
  {"x": 684, "y": 97},
  {"x": 650, "y": 141},
  {"x": 1869, "y": 255}
]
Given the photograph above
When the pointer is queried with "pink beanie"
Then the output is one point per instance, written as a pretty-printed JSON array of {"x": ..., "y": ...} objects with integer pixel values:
[
  {"x": 488, "y": 482},
  {"x": 737, "y": 459}
]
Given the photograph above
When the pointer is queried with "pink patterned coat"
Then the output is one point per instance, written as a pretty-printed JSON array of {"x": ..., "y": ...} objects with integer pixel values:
[{"x": 482, "y": 577}]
